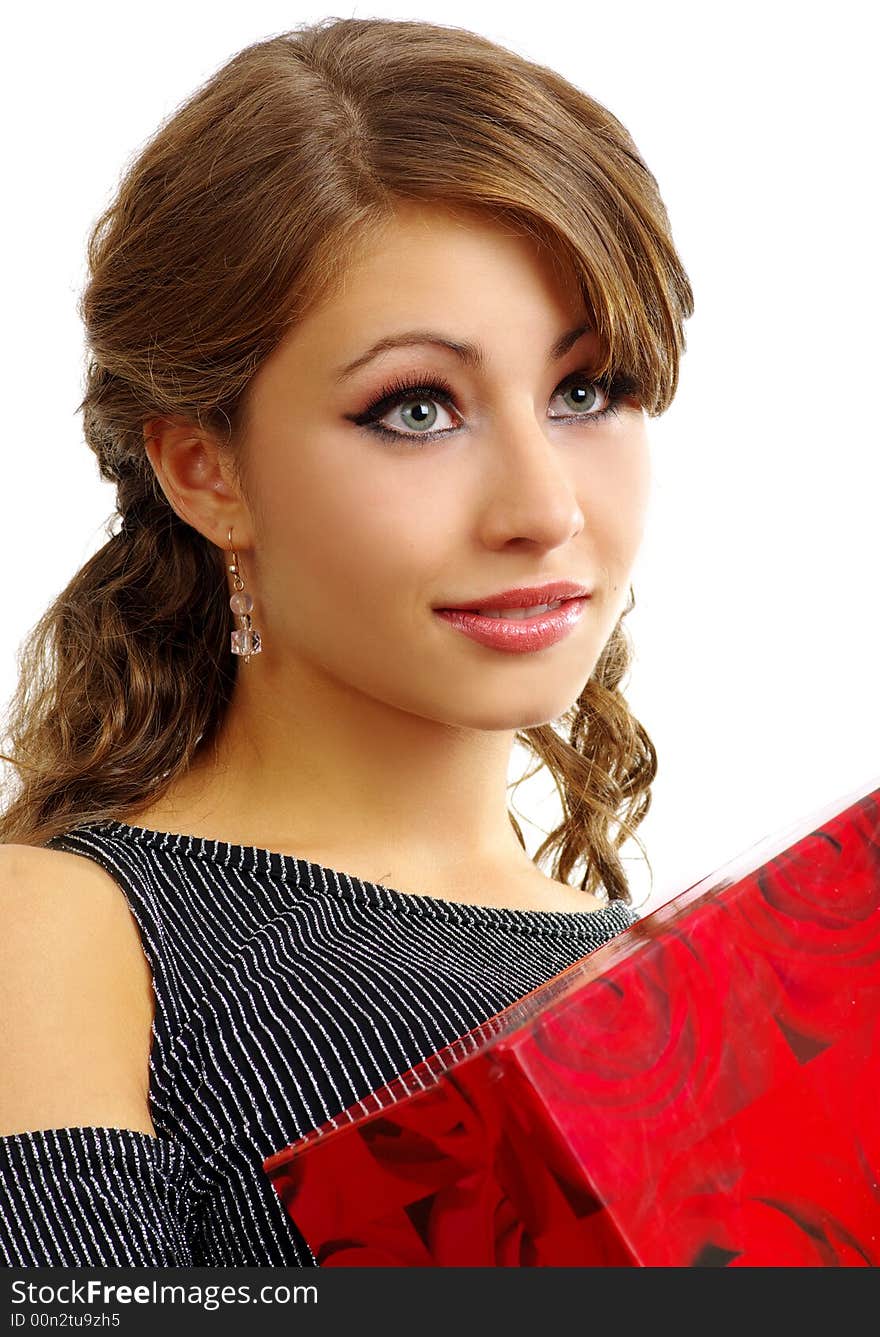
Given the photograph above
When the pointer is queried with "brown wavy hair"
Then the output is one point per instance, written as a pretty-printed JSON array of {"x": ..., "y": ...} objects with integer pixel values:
[{"x": 240, "y": 213}]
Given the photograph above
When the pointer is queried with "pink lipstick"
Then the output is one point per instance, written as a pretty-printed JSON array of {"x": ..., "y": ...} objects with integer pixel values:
[{"x": 521, "y": 634}]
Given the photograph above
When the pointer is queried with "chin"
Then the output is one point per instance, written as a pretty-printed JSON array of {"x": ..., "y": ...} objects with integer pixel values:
[{"x": 508, "y": 719}]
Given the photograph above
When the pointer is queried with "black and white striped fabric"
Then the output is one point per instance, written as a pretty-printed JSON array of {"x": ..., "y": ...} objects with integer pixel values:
[{"x": 285, "y": 993}]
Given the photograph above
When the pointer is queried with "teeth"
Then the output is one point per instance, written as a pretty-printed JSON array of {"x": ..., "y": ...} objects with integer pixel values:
[{"x": 518, "y": 614}]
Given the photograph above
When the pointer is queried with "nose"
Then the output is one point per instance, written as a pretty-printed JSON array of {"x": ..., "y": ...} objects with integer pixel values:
[{"x": 529, "y": 492}]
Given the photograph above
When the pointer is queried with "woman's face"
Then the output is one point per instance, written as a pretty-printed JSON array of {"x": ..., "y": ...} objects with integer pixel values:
[{"x": 360, "y": 537}]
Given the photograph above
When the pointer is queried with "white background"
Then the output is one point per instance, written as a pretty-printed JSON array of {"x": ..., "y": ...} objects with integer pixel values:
[{"x": 755, "y": 625}]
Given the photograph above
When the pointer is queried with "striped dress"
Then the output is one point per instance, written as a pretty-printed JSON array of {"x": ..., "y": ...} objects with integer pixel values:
[{"x": 284, "y": 993}]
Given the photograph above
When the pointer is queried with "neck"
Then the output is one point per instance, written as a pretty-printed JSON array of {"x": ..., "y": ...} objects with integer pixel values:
[{"x": 341, "y": 778}]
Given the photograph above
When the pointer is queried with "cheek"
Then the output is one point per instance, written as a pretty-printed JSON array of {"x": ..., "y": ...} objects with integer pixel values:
[
  {"x": 360, "y": 535},
  {"x": 613, "y": 491}
]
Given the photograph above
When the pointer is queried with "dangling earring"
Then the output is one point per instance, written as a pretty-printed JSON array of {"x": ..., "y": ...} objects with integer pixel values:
[{"x": 245, "y": 641}]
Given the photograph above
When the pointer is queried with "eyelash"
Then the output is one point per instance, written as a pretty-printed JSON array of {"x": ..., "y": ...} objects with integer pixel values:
[{"x": 403, "y": 389}]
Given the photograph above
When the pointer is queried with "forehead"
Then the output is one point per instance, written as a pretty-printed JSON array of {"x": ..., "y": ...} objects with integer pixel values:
[
  {"x": 420, "y": 241},
  {"x": 474, "y": 276}
]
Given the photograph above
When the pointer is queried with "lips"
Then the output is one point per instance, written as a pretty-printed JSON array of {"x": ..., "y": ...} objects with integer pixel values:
[
  {"x": 523, "y": 596},
  {"x": 518, "y": 614},
  {"x": 518, "y": 635}
]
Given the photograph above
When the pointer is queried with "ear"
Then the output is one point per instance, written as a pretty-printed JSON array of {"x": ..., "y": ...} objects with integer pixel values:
[{"x": 193, "y": 471}]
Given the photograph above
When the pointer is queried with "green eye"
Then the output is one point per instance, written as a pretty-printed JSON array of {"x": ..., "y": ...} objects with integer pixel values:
[
  {"x": 584, "y": 393},
  {"x": 419, "y": 397}
]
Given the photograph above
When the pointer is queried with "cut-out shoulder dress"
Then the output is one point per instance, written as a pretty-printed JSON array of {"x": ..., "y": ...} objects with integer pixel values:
[{"x": 284, "y": 993}]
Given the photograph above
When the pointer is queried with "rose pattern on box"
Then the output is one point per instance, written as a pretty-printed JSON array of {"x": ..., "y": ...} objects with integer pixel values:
[{"x": 701, "y": 1091}]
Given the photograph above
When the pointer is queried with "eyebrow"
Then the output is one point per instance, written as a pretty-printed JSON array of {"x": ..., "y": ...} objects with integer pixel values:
[{"x": 470, "y": 354}]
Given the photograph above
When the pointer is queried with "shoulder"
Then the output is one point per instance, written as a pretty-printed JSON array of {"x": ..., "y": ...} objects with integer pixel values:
[
  {"x": 54, "y": 872},
  {"x": 54, "y": 898},
  {"x": 75, "y": 996}
]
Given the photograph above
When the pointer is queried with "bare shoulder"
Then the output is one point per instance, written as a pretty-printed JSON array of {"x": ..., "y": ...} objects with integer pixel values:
[{"x": 76, "y": 997}]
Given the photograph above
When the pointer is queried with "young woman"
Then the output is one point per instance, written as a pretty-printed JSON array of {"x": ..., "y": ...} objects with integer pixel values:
[{"x": 375, "y": 323}]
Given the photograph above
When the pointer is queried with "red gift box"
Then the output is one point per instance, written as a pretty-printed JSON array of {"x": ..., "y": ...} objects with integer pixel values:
[{"x": 701, "y": 1091}]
